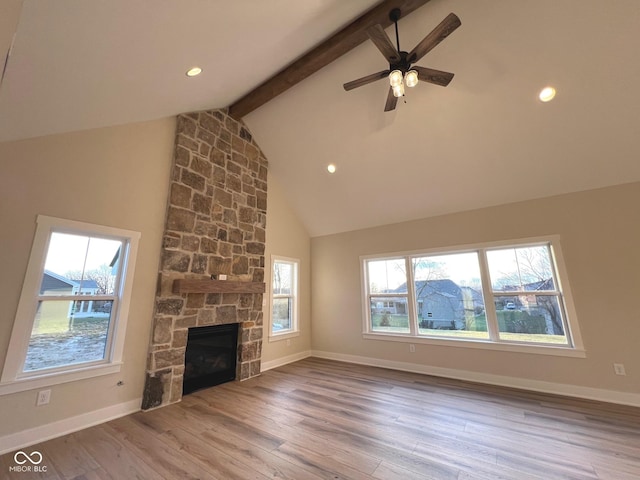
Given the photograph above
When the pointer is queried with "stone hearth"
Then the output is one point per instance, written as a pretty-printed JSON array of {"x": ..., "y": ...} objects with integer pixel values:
[{"x": 215, "y": 224}]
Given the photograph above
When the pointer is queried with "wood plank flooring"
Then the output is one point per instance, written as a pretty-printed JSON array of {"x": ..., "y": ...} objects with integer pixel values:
[{"x": 320, "y": 419}]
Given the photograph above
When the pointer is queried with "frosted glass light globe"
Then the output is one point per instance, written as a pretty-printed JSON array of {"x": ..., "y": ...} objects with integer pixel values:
[
  {"x": 411, "y": 78},
  {"x": 395, "y": 78}
]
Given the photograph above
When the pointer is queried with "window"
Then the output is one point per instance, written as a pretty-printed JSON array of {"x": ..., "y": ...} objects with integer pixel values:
[
  {"x": 284, "y": 297},
  {"x": 449, "y": 294},
  {"x": 500, "y": 295},
  {"x": 388, "y": 298},
  {"x": 526, "y": 296},
  {"x": 73, "y": 307}
]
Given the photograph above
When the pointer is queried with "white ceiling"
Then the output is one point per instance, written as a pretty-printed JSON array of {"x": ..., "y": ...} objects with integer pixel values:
[{"x": 483, "y": 140}]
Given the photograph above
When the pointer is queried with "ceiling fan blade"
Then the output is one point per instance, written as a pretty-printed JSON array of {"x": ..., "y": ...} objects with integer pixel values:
[
  {"x": 381, "y": 40},
  {"x": 438, "y": 34},
  {"x": 430, "y": 75},
  {"x": 365, "y": 80},
  {"x": 392, "y": 100}
]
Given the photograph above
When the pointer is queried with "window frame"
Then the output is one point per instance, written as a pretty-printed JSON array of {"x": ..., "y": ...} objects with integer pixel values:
[
  {"x": 294, "y": 331},
  {"x": 370, "y": 296},
  {"x": 574, "y": 347},
  {"x": 13, "y": 378}
]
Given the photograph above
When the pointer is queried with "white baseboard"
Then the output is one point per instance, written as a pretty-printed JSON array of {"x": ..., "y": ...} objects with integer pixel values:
[
  {"x": 25, "y": 438},
  {"x": 278, "y": 362},
  {"x": 589, "y": 393}
]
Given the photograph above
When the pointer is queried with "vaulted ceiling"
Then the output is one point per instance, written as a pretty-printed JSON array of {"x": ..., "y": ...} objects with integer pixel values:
[{"x": 483, "y": 140}]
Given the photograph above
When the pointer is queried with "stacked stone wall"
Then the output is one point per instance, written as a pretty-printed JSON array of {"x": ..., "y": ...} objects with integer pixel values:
[{"x": 215, "y": 224}]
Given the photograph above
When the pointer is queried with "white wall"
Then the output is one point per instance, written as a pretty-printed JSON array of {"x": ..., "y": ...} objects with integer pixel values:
[
  {"x": 111, "y": 176},
  {"x": 286, "y": 237},
  {"x": 600, "y": 238}
]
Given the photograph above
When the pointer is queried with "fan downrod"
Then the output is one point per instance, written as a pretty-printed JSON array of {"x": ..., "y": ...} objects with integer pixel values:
[
  {"x": 394, "y": 16},
  {"x": 402, "y": 64}
]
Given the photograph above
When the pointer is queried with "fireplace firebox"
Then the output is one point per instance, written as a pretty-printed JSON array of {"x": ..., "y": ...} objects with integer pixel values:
[{"x": 211, "y": 356}]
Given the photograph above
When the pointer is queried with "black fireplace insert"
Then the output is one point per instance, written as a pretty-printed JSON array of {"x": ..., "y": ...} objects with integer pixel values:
[{"x": 210, "y": 358}]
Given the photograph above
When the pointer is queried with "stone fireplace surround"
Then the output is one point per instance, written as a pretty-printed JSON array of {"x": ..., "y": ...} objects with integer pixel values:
[{"x": 215, "y": 224}]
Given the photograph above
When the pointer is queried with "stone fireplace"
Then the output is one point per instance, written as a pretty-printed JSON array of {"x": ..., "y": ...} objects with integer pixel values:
[{"x": 215, "y": 225}]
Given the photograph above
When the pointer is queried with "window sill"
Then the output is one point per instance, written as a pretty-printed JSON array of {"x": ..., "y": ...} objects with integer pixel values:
[
  {"x": 47, "y": 380},
  {"x": 479, "y": 344},
  {"x": 283, "y": 336}
]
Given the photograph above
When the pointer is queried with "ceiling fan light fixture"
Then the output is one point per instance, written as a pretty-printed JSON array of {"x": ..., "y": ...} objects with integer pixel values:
[
  {"x": 395, "y": 78},
  {"x": 401, "y": 74},
  {"x": 398, "y": 90},
  {"x": 411, "y": 78}
]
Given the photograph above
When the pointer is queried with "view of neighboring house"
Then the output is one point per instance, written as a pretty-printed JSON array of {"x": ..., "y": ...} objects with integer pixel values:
[
  {"x": 442, "y": 304},
  {"x": 51, "y": 312}
]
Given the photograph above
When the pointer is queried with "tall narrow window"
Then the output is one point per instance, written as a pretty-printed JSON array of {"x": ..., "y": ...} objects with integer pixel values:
[
  {"x": 388, "y": 295},
  {"x": 284, "y": 296},
  {"x": 73, "y": 306},
  {"x": 77, "y": 297}
]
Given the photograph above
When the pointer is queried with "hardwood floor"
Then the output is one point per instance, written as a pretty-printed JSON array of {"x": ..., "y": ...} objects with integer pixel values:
[{"x": 320, "y": 419}]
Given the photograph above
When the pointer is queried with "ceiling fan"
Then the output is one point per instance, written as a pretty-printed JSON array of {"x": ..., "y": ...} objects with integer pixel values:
[{"x": 400, "y": 62}]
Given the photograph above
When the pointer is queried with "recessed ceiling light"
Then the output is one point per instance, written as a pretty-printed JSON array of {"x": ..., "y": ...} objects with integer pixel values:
[
  {"x": 547, "y": 94},
  {"x": 331, "y": 168},
  {"x": 192, "y": 72}
]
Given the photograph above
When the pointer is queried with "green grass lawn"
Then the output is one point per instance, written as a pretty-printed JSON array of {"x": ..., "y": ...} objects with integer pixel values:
[
  {"x": 395, "y": 320},
  {"x": 400, "y": 324},
  {"x": 59, "y": 324}
]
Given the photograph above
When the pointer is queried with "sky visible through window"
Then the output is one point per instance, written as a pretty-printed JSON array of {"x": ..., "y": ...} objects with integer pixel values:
[
  {"x": 456, "y": 267},
  {"x": 78, "y": 253}
]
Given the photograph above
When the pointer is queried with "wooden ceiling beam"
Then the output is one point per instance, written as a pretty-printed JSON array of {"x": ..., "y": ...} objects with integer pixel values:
[{"x": 322, "y": 55}]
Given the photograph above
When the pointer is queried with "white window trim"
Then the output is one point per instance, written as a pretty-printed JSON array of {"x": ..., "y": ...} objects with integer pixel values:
[
  {"x": 573, "y": 331},
  {"x": 294, "y": 331},
  {"x": 11, "y": 380}
]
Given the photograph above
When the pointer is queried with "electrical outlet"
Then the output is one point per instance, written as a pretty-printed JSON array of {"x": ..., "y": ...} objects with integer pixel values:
[
  {"x": 43, "y": 397},
  {"x": 412, "y": 348},
  {"x": 288, "y": 342},
  {"x": 619, "y": 369}
]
